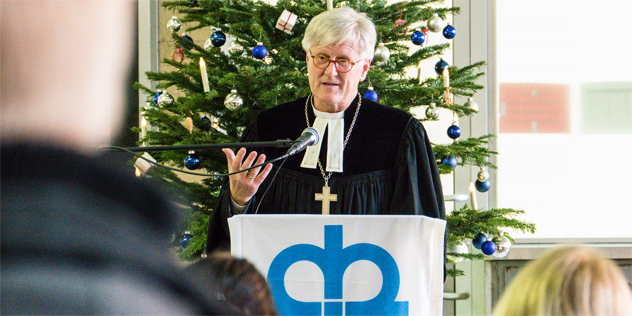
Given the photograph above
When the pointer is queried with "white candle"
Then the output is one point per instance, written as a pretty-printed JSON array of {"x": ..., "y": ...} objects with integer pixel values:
[
  {"x": 143, "y": 130},
  {"x": 446, "y": 77},
  {"x": 473, "y": 196},
  {"x": 419, "y": 70},
  {"x": 446, "y": 85},
  {"x": 204, "y": 75},
  {"x": 330, "y": 4}
]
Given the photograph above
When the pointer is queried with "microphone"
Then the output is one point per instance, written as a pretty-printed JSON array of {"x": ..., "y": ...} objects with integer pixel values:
[{"x": 308, "y": 137}]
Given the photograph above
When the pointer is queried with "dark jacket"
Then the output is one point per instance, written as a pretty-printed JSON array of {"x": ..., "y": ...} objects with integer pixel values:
[{"x": 82, "y": 237}]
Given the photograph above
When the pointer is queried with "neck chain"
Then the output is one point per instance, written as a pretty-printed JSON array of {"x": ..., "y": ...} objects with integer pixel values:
[{"x": 344, "y": 144}]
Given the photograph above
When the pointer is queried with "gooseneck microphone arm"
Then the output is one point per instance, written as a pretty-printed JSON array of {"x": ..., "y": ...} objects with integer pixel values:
[
  {"x": 277, "y": 143},
  {"x": 308, "y": 137}
]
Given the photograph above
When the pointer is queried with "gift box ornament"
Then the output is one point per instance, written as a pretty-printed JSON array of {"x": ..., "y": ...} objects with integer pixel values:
[{"x": 286, "y": 21}]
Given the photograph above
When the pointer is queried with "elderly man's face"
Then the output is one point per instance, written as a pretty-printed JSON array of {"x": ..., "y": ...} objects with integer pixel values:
[{"x": 333, "y": 91}]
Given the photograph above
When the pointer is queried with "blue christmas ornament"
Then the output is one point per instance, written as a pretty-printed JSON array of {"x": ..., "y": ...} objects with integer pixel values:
[
  {"x": 192, "y": 161},
  {"x": 186, "y": 41},
  {"x": 157, "y": 96},
  {"x": 418, "y": 37},
  {"x": 449, "y": 161},
  {"x": 218, "y": 38},
  {"x": 449, "y": 31},
  {"x": 488, "y": 247},
  {"x": 206, "y": 123},
  {"x": 454, "y": 131},
  {"x": 478, "y": 241},
  {"x": 482, "y": 186},
  {"x": 440, "y": 65},
  {"x": 371, "y": 94},
  {"x": 185, "y": 240},
  {"x": 260, "y": 51}
]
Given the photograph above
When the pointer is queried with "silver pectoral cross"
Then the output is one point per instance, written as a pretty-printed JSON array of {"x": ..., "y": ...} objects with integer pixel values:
[{"x": 326, "y": 197}]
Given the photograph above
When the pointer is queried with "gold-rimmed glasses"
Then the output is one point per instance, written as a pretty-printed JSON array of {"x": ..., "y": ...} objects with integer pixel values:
[{"x": 342, "y": 65}]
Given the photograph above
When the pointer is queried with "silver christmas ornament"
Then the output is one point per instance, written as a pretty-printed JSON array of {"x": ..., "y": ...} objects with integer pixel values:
[
  {"x": 165, "y": 99},
  {"x": 471, "y": 104},
  {"x": 432, "y": 112},
  {"x": 381, "y": 54},
  {"x": 233, "y": 100},
  {"x": 503, "y": 245},
  {"x": 174, "y": 24},
  {"x": 460, "y": 248},
  {"x": 235, "y": 49},
  {"x": 483, "y": 175},
  {"x": 435, "y": 24}
]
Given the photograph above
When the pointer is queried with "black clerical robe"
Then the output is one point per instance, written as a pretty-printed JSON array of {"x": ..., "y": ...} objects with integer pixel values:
[{"x": 389, "y": 168}]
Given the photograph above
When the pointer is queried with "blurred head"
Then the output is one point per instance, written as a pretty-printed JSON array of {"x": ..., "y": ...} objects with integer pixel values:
[
  {"x": 570, "y": 280},
  {"x": 344, "y": 36},
  {"x": 236, "y": 281},
  {"x": 64, "y": 65}
]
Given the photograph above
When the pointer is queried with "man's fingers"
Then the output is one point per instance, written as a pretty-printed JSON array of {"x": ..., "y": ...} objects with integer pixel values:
[
  {"x": 248, "y": 162},
  {"x": 263, "y": 174},
  {"x": 234, "y": 159},
  {"x": 259, "y": 161}
]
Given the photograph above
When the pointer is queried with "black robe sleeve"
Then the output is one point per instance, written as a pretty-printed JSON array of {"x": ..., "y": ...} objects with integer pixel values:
[
  {"x": 417, "y": 189},
  {"x": 418, "y": 183}
]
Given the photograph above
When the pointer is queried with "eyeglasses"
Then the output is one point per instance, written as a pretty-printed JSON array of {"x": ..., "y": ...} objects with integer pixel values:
[{"x": 342, "y": 65}]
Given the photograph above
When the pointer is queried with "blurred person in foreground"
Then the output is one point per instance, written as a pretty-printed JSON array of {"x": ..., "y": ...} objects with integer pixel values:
[
  {"x": 237, "y": 281},
  {"x": 78, "y": 236},
  {"x": 568, "y": 280}
]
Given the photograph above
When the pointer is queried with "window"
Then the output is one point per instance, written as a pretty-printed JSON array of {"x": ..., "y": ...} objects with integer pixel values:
[{"x": 564, "y": 70}]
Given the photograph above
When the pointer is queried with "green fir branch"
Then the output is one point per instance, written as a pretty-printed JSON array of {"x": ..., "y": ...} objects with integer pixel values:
[
  {"x": 465, "y": 223},
  {"x": 470, "y": 151}
]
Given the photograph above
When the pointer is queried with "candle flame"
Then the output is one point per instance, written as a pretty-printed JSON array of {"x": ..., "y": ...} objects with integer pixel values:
[
  {"x": 202, "y": 63},
  {"x": 143, "y": 122},
  {"x": 472, "y": 187},
  {"x": 420, "y": 64},
  {"x": 446, "y": 72}
]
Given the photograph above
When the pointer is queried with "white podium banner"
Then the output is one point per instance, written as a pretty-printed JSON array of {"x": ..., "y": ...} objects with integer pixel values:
[{"x": 346, "y": 264}]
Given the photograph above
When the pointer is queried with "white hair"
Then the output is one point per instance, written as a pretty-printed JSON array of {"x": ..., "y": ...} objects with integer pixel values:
[{"x": 339, "y": 26}]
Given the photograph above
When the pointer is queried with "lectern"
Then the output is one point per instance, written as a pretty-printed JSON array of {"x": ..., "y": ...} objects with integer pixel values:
[{"x": 346, "y": 264}]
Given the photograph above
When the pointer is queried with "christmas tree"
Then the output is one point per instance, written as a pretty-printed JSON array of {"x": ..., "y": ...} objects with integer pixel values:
[{"x": 253, "y": 60}]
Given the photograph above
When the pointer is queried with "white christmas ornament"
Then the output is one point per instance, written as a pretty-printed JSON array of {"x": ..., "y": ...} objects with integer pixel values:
[
  {"x": 286, "y": 21},
  {"x": 235, "y": 49},
  {"x": 233, "y": 100},
  {"x": 435, "y": 24},
  {"x": 471, "y": 104},
  {"x": 432, "y": 112},
  {"x": 461, "y": 248},
  {"x": 503, "y": 245},
  {"x": 165, "y": 99},
  {"x": 381, "y": 54},
  {"x": 483, "y": 175},
  {"x": 174, "y": 24}
]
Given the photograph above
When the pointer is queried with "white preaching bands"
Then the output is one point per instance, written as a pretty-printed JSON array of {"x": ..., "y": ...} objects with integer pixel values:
[{"x": 336, "y": 124}]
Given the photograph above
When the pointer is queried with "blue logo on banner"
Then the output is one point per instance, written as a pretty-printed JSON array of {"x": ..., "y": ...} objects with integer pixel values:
[{"x": 333, "y": 261}]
